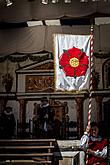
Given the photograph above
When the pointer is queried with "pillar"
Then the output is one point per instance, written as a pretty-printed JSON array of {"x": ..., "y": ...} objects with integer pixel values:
[
  {"x": 99, "y": 108},
  {"x": 22, "y": 115},
  {"x": 80, "y": 122},
  {"x": 3, "y": 103}
]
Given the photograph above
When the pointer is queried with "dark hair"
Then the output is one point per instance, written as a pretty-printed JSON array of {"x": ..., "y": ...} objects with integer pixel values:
[
  {"x": 44, "y": 99},
  {"x": 93, "y": 124},
  {"x": 9, "y": 108}
]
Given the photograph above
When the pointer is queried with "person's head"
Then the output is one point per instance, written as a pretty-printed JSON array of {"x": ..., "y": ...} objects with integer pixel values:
[
  {"x": 35, "y": 105},
  {"x": 44, "y": 100},
  {"x": 94, "y": 129},
  {"x": 8, "y": 109}
]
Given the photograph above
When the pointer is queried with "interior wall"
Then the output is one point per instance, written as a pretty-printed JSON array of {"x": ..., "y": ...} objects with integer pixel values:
[
  {"x": 39, "y": 38},
  {"x": 35, "y": 39}
]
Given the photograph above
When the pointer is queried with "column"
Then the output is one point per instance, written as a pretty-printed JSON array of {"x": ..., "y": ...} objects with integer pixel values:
[
  {"x": 80, "y": 122},
  {"x": 3, "y": 103},
  {"x": 99, "y": 108},
  {"x": 22, "y": 115}
]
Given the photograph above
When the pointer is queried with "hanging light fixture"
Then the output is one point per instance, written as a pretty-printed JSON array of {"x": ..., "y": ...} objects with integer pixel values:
[
  {"x": 55, "y": 1},
  {"x": 83, "y": 0},
  {"x": 45, "y": 2},
  {"x": 95, "y": 0},
  {"x": 9, "y": 2},
  {"x": 67, "y": 1}
]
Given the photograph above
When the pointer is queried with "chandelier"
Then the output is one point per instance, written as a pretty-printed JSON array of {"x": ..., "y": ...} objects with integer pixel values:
[{"x": 68, "y": 1}]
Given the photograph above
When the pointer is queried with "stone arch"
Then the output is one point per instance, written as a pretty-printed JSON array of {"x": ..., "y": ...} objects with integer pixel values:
[{"x": 106, "y": 73}]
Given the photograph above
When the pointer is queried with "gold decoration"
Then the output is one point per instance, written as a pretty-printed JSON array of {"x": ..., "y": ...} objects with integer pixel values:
[
  {"x": 74, "y": 62},
  {"x": 39, "y": 83}
]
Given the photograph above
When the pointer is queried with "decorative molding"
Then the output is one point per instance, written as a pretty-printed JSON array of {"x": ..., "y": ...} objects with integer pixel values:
[
  {"x": 23, "y": 57},
  {"x": 35, "y": 83},
  {"x": 45, "y": 66},
  {"x": 37, "y": 67},
  {"x": 102, "y": 54}
]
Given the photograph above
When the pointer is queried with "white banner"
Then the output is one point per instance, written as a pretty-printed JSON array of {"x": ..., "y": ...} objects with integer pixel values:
[{"x": 72, "y": 64}]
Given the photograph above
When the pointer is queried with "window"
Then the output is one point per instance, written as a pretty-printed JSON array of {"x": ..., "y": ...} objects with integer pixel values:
[{"x": 106, "y": 75}]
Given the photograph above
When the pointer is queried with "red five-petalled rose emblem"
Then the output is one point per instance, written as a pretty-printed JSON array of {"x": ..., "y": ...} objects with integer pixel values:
[{"x": 74, "y": 62}]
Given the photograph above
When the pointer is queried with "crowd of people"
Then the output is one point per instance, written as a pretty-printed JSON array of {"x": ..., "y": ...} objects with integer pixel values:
[{"x": 45, "y": 125}]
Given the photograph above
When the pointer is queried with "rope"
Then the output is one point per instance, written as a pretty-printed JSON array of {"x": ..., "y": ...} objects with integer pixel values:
[{"x": 90, "y": 84}]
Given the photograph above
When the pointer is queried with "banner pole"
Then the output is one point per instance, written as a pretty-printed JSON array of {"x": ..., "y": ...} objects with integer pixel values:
[
  {"x": 90, "y": 83},
  {"x": 91, "y": 77}
]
